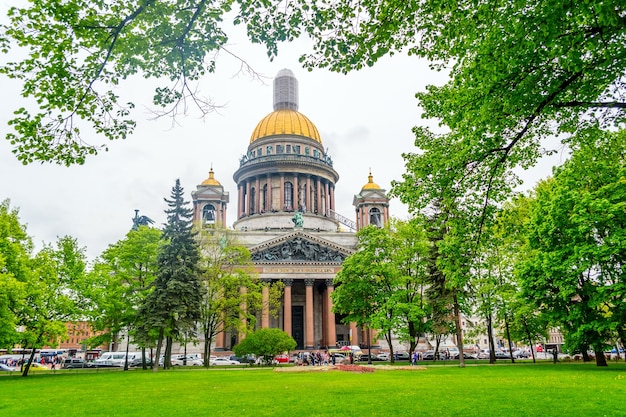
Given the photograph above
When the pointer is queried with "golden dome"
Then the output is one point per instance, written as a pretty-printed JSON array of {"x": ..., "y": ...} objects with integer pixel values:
[
  {"x": 211, "y": 180},
  {"x": 371, "y": 185},
  {"x": 286, "y": 122}
]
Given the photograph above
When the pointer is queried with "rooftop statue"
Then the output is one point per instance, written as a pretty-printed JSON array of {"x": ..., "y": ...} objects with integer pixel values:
[{"x": 297, "y": 219}]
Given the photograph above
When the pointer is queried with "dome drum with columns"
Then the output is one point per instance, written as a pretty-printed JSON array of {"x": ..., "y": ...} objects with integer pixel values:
[{"x": 286, "y": 218}]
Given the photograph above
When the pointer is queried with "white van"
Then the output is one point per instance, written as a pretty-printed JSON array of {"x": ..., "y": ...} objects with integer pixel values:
[{"x": 115, "y": 358}]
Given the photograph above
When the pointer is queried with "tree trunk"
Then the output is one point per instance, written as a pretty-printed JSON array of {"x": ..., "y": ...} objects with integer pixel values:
[
  {"x": 26, "y": 367},
  {"x": 459, "y": 332},
  {"x": 530, "y": 341},
  {"x": 600, "y": 358},
  {"x": 167, "y": 359},
  {"x": 508, "y": 337},
  {"x": 492, "y": 346},
  {"x": 208, "y": 339},
  {"x": 155, "y": 362},
  {"x": 583, "y": 351},
  {"x": 391, "y": 353},
  {"x": 143, "y": 358}
]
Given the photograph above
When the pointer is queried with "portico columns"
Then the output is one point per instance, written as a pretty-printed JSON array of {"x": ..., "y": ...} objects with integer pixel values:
[
  {"x": 331, "y": 336},
  {"x": 355, "y": 334},
  {"x": 309, "y": 331},
  {"x": 287, "y": 307},
  {"x": 219, "y": 339}
]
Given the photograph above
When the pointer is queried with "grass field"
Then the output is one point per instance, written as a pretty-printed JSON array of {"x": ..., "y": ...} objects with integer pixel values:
[{"x": 484, "y": 390}]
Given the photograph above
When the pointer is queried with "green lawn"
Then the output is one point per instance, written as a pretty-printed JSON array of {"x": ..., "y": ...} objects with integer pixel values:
[{"x": 484, "y": 390}]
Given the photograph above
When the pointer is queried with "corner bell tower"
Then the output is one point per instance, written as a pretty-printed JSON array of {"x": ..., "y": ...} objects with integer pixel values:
[{"x": 371, "y": 205}]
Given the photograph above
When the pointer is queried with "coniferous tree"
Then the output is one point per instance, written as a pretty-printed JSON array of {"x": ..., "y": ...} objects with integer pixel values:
[{"x": 172, "y": 310}]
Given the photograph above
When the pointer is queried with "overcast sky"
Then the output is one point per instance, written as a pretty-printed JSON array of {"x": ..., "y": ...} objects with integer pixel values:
[{"x": 364, "y": 118}]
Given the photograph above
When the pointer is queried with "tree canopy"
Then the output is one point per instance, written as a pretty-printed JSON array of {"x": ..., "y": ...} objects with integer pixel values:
[
  {"x": 381, "y": 285},
  {"x": 519, "y": 70},
  {"x": 574, "y": 270},
  {"x": 265, "y": 343},
  {"x": 173, "y": 308}
]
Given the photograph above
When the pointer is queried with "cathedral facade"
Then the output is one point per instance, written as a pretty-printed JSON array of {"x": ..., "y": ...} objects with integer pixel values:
[{"x": 286, "y": 217}]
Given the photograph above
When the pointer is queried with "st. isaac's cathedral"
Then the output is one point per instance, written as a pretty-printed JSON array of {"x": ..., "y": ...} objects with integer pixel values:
[{"x": 286, "y": 218}]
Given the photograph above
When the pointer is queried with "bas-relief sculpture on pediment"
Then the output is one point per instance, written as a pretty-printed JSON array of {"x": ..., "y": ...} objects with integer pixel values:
[{"x": 298, "y": 249}]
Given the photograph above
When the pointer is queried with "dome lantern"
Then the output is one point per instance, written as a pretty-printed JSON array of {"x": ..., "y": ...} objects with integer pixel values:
[{"x": 285, "y": 91}]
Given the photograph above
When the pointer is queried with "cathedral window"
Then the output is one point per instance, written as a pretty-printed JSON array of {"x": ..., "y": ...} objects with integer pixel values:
[
  {"x": 288, "y": 148},
  {"x": 288, "y": 196},
  {"x": 307, "y": 151},
  {"x": 260, "y": 151},
  {"x": 280, "y": 149}
]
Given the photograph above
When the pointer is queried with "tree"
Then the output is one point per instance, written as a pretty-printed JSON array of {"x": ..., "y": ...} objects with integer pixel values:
[
  {"x": 15, "y": 251},
  {"x": 53, "y": 297},
  {"x": 226, "y": 270},
  {"x": 519, "y": 70},
  {"x": 266, "y": 344},
  {"x": 121, "y": 281},
  {"x": 172, "y": 309},
  {"x": 576, "y": 239},
  {"x": 525, "y": 323},
  {"x": 381, "y": 285}
]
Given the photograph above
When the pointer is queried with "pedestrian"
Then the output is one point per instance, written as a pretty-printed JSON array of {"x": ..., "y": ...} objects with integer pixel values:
[
  {"x": 555, "y": 356},
  {"x": 414, "y": 359}
]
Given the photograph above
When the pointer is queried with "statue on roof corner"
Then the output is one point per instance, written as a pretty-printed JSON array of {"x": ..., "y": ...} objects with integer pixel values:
[
  {"x": 297, "y": 219},
  {"x": 141, "y": 220}
]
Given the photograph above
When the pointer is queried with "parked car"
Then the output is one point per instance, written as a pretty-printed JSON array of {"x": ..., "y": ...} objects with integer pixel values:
[
  {"x": 365, "y": 357},
  {"x": 465, "y": 356},
  {"x": 71, "y": 363},
  {"x": 521, "y": 354},
  {"x": 281, "y": 359},
  {"x": 36, "y": 366},
  {"x": 251, "y": 359},
  {"x": 223, "y": 361},
  {"x": 483, "y": 354},
  {"x": 429, "y": 355},
  {"x": 137, "y": 362},
  {"x": 6, "y": 368},
  {"x": 503, "y": 355},
  {"x": 402, "y": 356},
  {"x": 191, "y": 361},
  {"x": 383, "y": 356}
]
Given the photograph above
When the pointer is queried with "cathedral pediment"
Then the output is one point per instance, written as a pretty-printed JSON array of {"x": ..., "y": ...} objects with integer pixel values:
[{"x": 299, "y": 247}]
